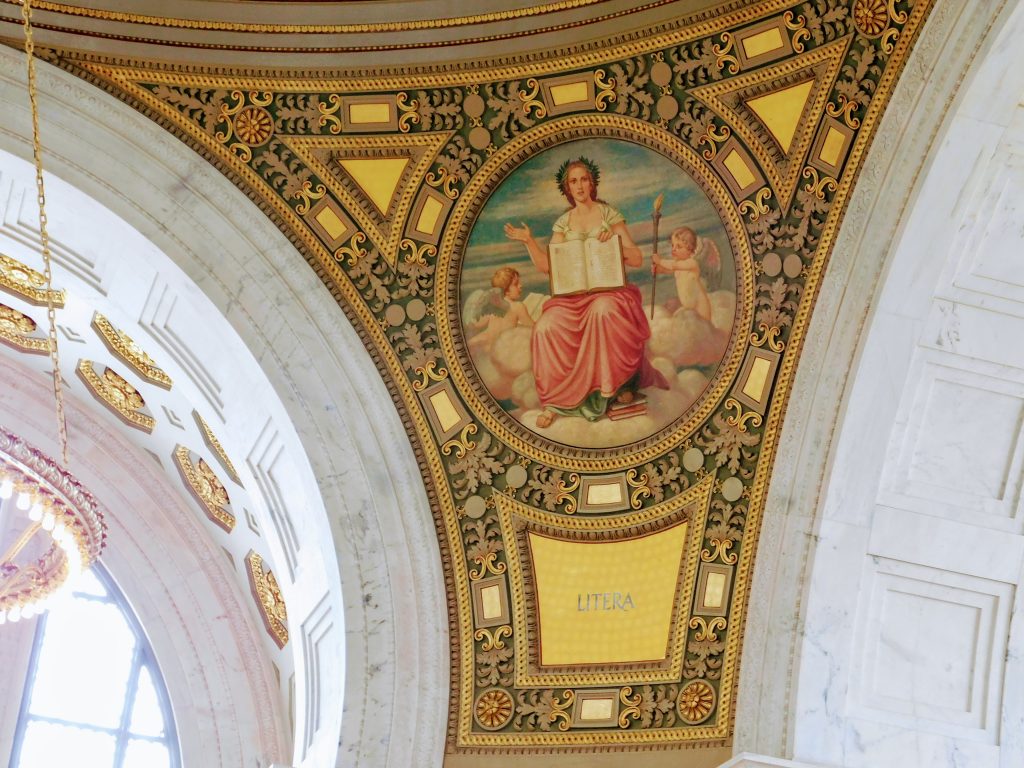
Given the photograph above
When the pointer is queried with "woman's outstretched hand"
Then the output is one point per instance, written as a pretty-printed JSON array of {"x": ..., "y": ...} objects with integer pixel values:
[{"x": 521, "y": 233}]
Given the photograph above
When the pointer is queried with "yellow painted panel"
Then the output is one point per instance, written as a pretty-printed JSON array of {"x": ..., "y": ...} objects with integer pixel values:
[
  {"x": 378, "y": 177},
  {"x": 714, "y": 590},
  {"x": 366, "y": 113},
  {"x": 596, "y": 709},
  {"x": 569, "y": 93},
  {"x": 447, "y": 415},
  {"x": 332, "y": 225},
  {"x": 739, "y": 169},
  {"x": 490, "y": 600},
  {"x": 429, "y": 214},
  {"x": 832, "y": 146},
  {"x": 756, "y": 379},
  {"x": 763, "y": 42},
  {"x": 606, "y": 602},
  {"x": 780, "y": 111},
  {"x": 604, "y": 493}
]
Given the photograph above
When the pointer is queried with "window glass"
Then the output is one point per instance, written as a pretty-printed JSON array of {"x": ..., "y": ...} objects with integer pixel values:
[{"x": 93, "y": 694}]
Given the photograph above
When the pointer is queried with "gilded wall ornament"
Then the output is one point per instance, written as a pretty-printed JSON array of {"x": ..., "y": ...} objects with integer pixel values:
[
  {"x": 493, "y": 709},
  {"x": 124, "y": 347},
  {"x": 214, "y": 445},
  {"x": 870, "y": 16},
  {"x": 206, "y": 487},
  {"x": 269, "y": 599},
  {"x": 115, "y": 392},
  {"x": 23, "y": 281},
  {"x": 16, "y": 329},
  {"x": 695, "y": 702}
]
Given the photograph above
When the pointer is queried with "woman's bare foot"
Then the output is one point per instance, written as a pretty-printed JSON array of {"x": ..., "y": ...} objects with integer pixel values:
[
  {"x": 625, "y": 396},
  {"x": 545, "y": 419}
]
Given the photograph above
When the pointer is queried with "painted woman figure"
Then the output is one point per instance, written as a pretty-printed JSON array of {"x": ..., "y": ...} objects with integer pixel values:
[{"x": 589, "y": 349}]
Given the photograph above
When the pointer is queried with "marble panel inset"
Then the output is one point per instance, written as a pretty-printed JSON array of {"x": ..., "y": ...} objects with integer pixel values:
[{"x": 933, "y": 649}]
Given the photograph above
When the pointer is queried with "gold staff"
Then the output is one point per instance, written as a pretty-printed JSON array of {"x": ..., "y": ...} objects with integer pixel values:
[{"x": 656, "y": 216}]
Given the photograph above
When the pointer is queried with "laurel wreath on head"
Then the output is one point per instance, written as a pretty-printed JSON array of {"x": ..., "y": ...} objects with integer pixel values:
[{"x": 595, "y": 174}]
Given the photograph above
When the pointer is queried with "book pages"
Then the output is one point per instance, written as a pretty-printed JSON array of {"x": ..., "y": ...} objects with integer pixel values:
[
  {"x": 604, "y": 263},
  {"x": 568, "y": 266}
]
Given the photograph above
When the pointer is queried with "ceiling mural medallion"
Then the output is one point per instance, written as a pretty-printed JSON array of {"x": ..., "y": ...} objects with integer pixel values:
[
  {"x": 596, "y": 441},
  {"x": 550, "y": 362}
]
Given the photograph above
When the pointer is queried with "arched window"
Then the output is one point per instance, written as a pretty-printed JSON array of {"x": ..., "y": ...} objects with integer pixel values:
[{"x": 94, "y": 696}]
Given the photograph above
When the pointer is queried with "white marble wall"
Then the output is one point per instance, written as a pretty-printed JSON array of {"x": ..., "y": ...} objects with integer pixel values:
[
  {"x": 256, "y": 340},
  {"x": 893, "y": 532}
]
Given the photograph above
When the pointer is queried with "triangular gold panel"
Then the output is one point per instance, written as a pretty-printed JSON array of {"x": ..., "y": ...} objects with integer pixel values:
[
  {"x": 378, "y": 177},
  {"x": 374, "y": 177},
  {"x": 780, "y": 111},
  {"x": 775, "y": 110}
]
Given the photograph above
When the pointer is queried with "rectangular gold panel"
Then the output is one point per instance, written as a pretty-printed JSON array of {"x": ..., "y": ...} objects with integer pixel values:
[
  {"x": 606, "y": 602},
  {"x": 490, "y": 599},
  {"x": 596, "y": 709},
  {"x": 756, "y": 379},
  {"x": 569, "y": 93},
  {"x": 832, "y": 146},
  {"x": 447, "y": 415},
  {"x": 369, "y": 112},
  {"x": 604, "y": 493},
  {"x": 739, "y": 169},
  {"x": 429, "y": 214},
  {"x": 332, "y": 225},
  {"x": 714, "y": 590},
  {"x": 763, "y": 42}
]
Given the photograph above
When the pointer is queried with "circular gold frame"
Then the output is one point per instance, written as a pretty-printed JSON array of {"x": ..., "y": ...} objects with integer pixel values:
[{"x": 447, "y": 296}]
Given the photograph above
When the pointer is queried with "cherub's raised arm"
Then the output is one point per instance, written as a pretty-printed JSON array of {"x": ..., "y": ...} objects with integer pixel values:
[{"x": 538, "y": 255}]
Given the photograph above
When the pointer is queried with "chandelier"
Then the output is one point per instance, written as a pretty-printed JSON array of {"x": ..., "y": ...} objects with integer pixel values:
[{"x": 54, "y": 526}]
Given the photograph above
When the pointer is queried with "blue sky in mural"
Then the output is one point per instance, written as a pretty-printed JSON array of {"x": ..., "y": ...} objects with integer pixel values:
[{"x": 632, "y": 176}]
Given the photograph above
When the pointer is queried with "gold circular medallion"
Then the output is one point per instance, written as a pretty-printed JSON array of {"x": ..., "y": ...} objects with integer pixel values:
[
  {"x": 695, "y": 702},
  {"x": 253, "y": 125},
  {"x": 493, "y": 709}
]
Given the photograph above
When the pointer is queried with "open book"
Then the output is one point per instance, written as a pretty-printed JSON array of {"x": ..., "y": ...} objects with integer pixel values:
[{"x": 578, "y": 266}]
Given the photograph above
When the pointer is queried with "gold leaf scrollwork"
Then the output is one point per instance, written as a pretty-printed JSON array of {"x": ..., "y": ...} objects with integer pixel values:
[
  {"x": 16, "y": 329},
  {"x": 707, "y": 629},
  {"x": 819, "y": 186},
  {"x": 487, "y": 565},
  {"x": 758, "y": 206},
  {"x": 898, "y": 17},
  {"x": 307, "y": 194},
  {"x": 492, "y": 641},
  {"x": 605, "y": 90},
  {"x": 889, "y": 38},
  {"x": 565, "y": 493},
  {"x": 740, "y": 419},
  {"x": 409, "y": 109},
  {"x": 246, "y": 121},
  {"x": 353, "y": 251},
  {"x": 723, "y": 53},
  {"x": 630, "y": 706},
  {"x": 329, "y": 113},
  {"x": 461, "y": 444},
  {"x": 720, "y": 548},
  {"x": 429, "y": 373},
  {"x": 444, "y": 180},
  {"x": 710, "y": 136},
  {"x": 530, "y": 100},
  {"x": 768, "y": 334},
  {"x": 798, "y": 25},
  {"x": 560, "y": 710},
  {"x": 640, "y": 483},
  {"x": 417, "y": 254},
  {"x": 844, "y": 109}
]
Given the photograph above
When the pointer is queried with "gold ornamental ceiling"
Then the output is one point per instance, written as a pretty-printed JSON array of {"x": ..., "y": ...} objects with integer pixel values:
[{"x": 585, "y": 274}]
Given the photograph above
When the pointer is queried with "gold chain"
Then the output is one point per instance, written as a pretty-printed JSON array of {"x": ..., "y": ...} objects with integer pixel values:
[{"x": 44, "y": 238}]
